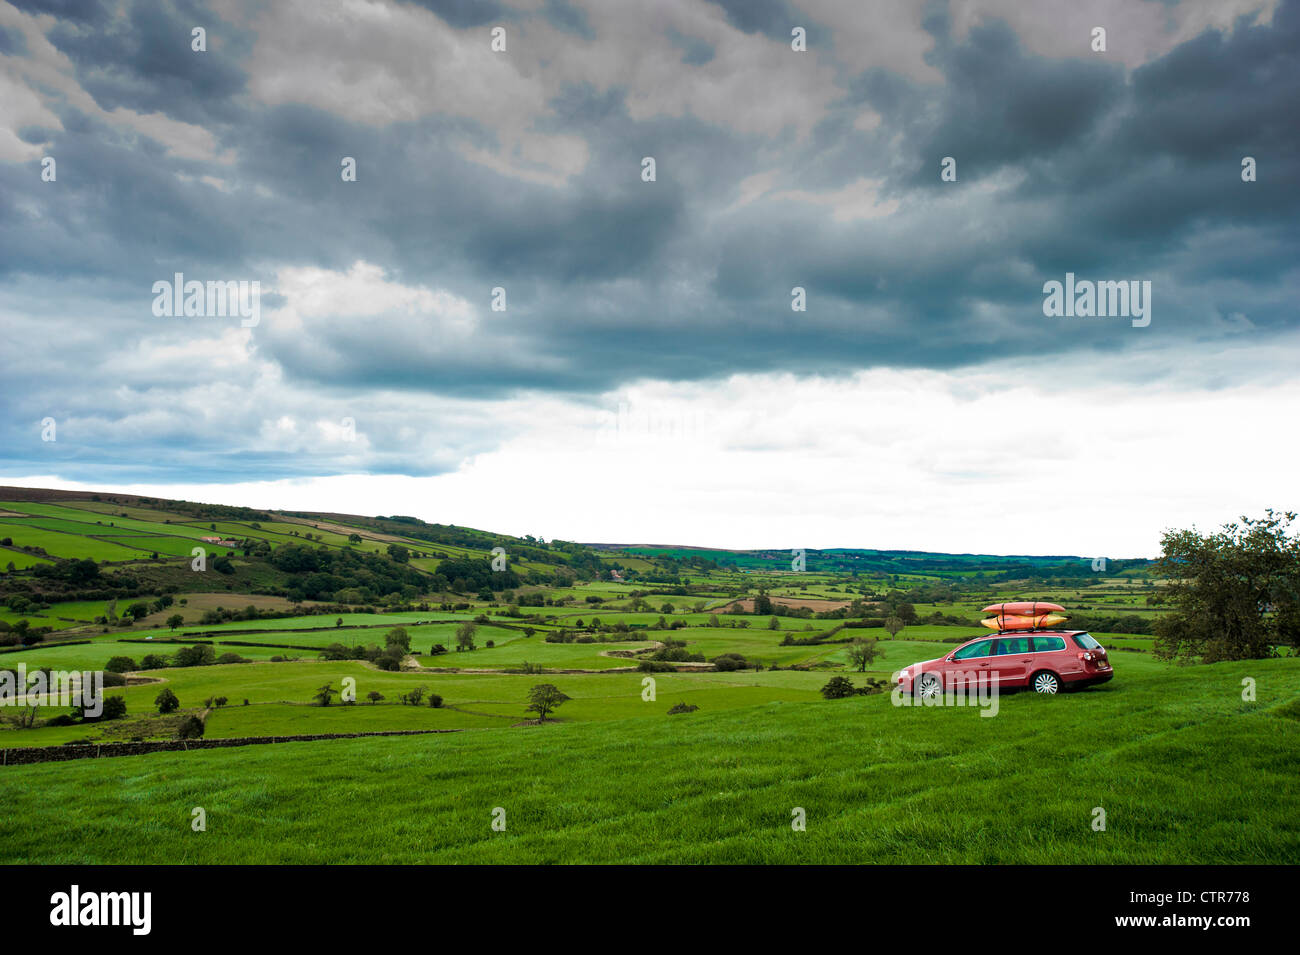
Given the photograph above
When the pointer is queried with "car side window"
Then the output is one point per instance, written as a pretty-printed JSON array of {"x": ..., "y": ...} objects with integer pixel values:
[
  {"x": 1048, "y": 644},
  {"x": 981, "y": 649},
  {"x": 1010, "y": 645}
]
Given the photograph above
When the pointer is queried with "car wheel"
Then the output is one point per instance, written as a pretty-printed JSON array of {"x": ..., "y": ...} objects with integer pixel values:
[
  {"x": 929, "y": 686},
  {"x": 1045, "y": 682}
]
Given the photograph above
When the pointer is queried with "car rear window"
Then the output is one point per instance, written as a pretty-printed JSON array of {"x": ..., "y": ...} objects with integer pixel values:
[
  {"x": 1086, "y": 641},
  {"x": 1047, "y": 644}
]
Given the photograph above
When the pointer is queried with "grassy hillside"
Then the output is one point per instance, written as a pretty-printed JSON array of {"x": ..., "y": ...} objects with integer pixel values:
[{"x": 1185, "y": 771}]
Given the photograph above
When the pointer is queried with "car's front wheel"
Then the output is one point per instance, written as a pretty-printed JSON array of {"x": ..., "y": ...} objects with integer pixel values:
[
  {"x": 929, "y": 686},
  {"x": 1045, "y": 682}
]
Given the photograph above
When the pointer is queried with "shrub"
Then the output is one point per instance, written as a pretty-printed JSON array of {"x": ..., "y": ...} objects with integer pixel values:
[
  {"x": 166, "y": 700},
  {"x": 838, "y": 688},
  {"x": 153, "y": 661},
  {"x": 435, "y": 700},
  {"x": 730, "y": 661},
  {"x": 191, "y": 728},
  {"x": 655, "y": 666},
  {"x": 120, "y": 665},
  {"x": 199, "y": 655},
  {"x": 232, "y": 658},
  {"x": 682, "y": 708}
]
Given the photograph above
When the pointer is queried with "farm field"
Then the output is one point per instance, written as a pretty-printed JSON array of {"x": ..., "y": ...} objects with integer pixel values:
[
  {"x": 1185, "y": 770},
  {"x": 610, "y": 775}
]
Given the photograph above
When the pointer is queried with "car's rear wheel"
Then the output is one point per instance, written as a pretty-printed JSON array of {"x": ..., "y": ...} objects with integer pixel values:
[
  {"x": 1045, "y": 682},
  {"x": 929, "y": 686}
]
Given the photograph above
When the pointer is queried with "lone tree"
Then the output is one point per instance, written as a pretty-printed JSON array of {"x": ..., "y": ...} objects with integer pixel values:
[
  {"x": 465, "y": 636},
  {"x": 1236, "y": 593},
  {"x": 374, "y": 696},
  {"x": 398, "y": 637},
  {"x": 894, "y": 625},
  {"x": 544, "y": 698},
  {"x": 166, "y": 700},
  {"x": 863, "y": 652},
  {"x": 174, "y": 621},
  {"x": 325, "y": 695}
]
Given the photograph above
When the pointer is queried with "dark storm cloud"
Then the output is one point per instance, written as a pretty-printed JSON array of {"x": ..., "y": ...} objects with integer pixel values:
[
  {"x": 1064, "y": 165},
  {"x": 144, "y": 61}
]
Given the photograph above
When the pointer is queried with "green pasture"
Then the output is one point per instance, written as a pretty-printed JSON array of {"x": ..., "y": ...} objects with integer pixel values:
[{"x": 1185, "y": 770}]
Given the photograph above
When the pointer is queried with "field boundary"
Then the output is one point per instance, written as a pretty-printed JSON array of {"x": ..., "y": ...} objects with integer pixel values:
[{"x": 26, "y": 755}]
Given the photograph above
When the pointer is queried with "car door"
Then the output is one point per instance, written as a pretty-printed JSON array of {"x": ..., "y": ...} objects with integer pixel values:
[
  {"x": 1012, "y": 661},
  {"x": 971, "y": 666}
]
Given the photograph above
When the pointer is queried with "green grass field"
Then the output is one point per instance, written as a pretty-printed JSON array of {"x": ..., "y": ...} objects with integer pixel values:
[
  {"x": 1185, "y": 771},
  {"x": 1184, "y": 768}
]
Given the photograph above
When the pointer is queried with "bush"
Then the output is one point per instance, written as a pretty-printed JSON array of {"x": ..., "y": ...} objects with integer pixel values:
[
  {"x": 114, "y": 709},
  {"x": 838, "y": 688},
  {"x": 153, "y": 661},
  {"x": 435, "y": 700},
  {"x": 120, "y": 665},
  {"x": 166, "y": 701},
  {"x": 655, "y": 666},
  {"x": 199, "y": 655},
  {"x": 113, "y": 679},
  {"x": 730, "y": 661},
  {"x": 682, "y": 708},
  {"x": 232, "y": 658},
  {"x": 191, "y": 728}
]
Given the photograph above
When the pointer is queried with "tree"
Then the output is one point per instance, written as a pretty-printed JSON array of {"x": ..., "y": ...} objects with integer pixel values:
[
  {"x": 863, "y": 652},
  {"x": 120, "y": 665},
  {"x": 174, "y": 621},
  {"x": 354, "y": 538},
  {"x": 137, "y": 610},
  {"x": 838, "y": 688},
  {"x": 907, "y": 613},
  {"x": 399, "y": 553},
  {"x": 465, "y": 636},
  {"x": 325, "y": 695},
  {"x": 374, "y": 696},
  {"x": 894, "y": 625},
  {"x": 1236, "y": 593},
  {"x": 199, "y": 655},
  {"x": 398, "y": 637},
  {"x": 166, "y": 701},
  {"x": 773, "y": 624},
  {"x": 543, "y": 699}
]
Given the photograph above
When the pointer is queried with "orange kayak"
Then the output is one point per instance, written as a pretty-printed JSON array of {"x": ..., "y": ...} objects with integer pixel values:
[
  {"x": 1024, "y": 615},
  {"x": 1016, "y": 621}
]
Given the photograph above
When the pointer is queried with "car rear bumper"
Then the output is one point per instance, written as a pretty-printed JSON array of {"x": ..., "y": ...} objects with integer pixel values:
[{"x": 1091, "y": 679}]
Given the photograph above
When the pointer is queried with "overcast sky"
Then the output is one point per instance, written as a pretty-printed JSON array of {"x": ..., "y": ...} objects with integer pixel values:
[{"x": 648, "y": 379}]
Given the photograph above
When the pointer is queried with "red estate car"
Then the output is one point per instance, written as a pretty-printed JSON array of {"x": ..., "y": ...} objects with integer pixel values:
[{"x": 1045, "y": 660}]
